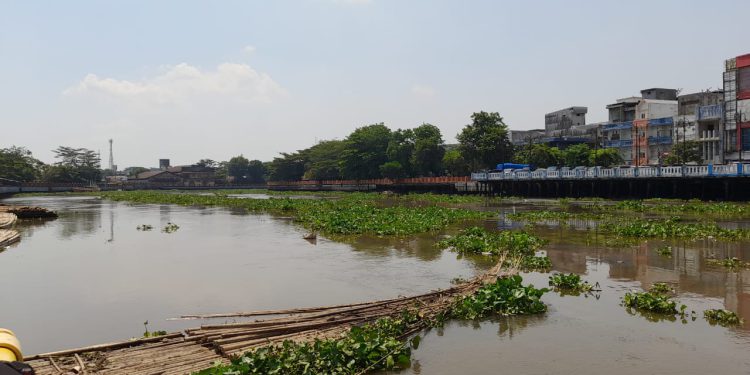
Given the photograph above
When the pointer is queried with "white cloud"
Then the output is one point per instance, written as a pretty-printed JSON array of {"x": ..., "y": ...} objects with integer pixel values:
[
  {"x": 184, "y": 84},
  {"x": 423, "y": 90},
  {"x": 249, "y": 49}
]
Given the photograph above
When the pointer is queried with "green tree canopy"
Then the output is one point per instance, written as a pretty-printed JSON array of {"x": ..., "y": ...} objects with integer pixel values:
[
  {"x": 366, "y": 150},
  {"x": 74, "y": 165},
  {"x": 540, "y": 156},
  {"x": 607, "y": 158},
  {"x": 392, "y": 169},
  {"x": 401, "y": 149},
  {"x": 576, "y": 155},
  {"x": 323, "y": 160},
  {"x": 427, "y": 157},
  {"x": 17, "y": 164},
  {"x": 455, "y": 164},
  {"x": 288, "y": 167},
  {"x": 484, "y": 142},
  {"x": 685, "y": 152}
]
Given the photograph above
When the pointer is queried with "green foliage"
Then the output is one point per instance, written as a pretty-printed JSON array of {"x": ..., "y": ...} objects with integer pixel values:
[
  {"x": 400, "y": 150},
  {"x": 477, "y": 240},
  {"x": 506, "y": 296},
  {"x": 427, "y": 157},
  {"x": 370, "y": 347},
  {"x": 724, "y": 318},
  {"x": 670, "y": 228},
  {"x": 732, "y": 263},
  {"x": 366, "y": 150},
  {"x": 661, "y": 288},
  {"x": 288, "y": 167},
  {"x": 577, "y": 155},
  {"x": 484, "y": 142},
  {"x": 535, "y": 263},
  {"x": 651, "y": 302},
  {"x": 569, "y": 283},
  {"x": 135, "y": 171},
  {"x": 352, "y": 214},
  {"x": 607, "y": 158},
  {"x": 392, "y": 169},
  {"x": 75, "y": 165},
  {"x": 693, "y": 207},
  {"x": 685, "y": 152},
  {"x": 323, "y": 160},
  {"x": 242, "y": 170},
  {"x": 17, "y": 164},
  {"x": 665, "y": 251},
  {"x": 148, "y": 334},
  {"x": 540, "y": 156},
  {"x": 170, "y": 228},
  {"x": 455, "y": 164}
]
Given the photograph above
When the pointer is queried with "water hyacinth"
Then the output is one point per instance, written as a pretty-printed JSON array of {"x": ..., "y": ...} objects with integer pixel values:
[
  {"x": 477, "y": 240},
  {"x": 352, "y": 214},
  {"x": 724, "y": 318},
  {"x": 506, "y": 296}
]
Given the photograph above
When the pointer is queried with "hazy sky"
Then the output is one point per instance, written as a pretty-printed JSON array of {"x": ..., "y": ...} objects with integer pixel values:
[{"x": 187, "y": 80}]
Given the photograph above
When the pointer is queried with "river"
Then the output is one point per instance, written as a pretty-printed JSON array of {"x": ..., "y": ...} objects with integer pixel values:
[{"x": 91, "y": 277}]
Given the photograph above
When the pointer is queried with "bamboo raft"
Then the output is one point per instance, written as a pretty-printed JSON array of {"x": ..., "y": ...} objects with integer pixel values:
[
  {"x": 7, "y": 219},
  {"x": 200, "y": 348},
  {"x": 8, "y": 236},
  {"x": 27, "y": 212}
]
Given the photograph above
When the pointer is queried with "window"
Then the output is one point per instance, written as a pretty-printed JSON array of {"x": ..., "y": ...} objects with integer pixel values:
[{"x": 745, "y": 139}]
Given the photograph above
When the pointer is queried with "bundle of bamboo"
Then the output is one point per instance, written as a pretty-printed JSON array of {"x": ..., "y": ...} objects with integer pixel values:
[
  {"x": 8, "y": 236},
  {"x": 199, "y": 348},
  {"x": 7, "y": 219}
]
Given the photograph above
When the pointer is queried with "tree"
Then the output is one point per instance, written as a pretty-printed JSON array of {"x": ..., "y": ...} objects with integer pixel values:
[
  {"x": 540, "y": 156},
  {"x": 685, "y": 152},
  {"x": 323, "y": 160},
  {"x": 401, "y": 149},
  {"x": 607, "y": 158},
  {"x": 207, "y": 163},
  {"x": 17, "y": 164},
  {"x": 237, "y": 168},
  {"x": 365, "y": 152},
  {"x": 576, "y": 155},
  {"x": 484, "y": 142},
  {"x": 75, "y": 165},
  {"x": 288, "y": 167},
  {"x": 256, "y": 171},
  {"x": 455, "y": 164},
  {"x": 427, "y": 157},
  {"x": 392, "y": 169}
]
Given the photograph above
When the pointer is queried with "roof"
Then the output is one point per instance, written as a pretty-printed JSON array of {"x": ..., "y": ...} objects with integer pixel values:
[{"x": 149, "y": 174}]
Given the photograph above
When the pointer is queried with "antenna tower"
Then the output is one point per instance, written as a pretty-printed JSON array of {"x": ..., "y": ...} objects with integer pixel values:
[{"x": 111, "y": 158}]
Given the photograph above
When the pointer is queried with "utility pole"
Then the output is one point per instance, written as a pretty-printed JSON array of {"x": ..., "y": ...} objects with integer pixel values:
[{"x": 111, "y": 158}]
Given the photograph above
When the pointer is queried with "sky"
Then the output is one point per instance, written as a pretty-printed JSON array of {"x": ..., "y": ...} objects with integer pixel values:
[{"x": 188, "y": 80}]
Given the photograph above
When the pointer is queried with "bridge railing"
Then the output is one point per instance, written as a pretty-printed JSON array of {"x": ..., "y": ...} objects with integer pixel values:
[{"x": 708, "y": 171}]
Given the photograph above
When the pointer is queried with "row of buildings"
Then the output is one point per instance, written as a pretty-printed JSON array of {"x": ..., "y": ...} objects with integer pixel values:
[{"x": 645, "y": 128}]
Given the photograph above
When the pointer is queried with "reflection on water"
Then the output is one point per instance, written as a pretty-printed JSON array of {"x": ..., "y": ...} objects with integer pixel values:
[{"x": 91, "y": 277}]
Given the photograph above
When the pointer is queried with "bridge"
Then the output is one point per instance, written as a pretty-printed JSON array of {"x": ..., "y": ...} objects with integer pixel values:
[{"x": 716, "y": 182}]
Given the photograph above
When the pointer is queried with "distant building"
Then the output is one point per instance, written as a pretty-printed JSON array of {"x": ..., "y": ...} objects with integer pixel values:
[
  {"x": 183, "y": 176},
  {"x": 737, "y": 108},
  {"x": 526, "y": 137},
  {"x": 564, "y": 119},
  {"x": 700, "y": 118}
]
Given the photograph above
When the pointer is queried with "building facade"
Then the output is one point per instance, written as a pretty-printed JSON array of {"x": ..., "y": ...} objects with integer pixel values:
[
  {"x": 700, "y": 118},
  {"x": 737, "y": 109},
  {"x": 556, "y": 123}
]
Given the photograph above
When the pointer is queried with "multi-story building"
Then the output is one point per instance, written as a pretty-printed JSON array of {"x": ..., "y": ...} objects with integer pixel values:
[
  {"x": 737, "y": 109},
  {"x": 526, "y": 137},
  {"x": 564, "y": 119},
  {"x": 700, "y": 117},
  {"x": 641, "y": 127}
]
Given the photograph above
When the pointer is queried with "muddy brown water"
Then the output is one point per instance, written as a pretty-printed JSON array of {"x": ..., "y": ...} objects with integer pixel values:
[{"x": 90, "y": 277}]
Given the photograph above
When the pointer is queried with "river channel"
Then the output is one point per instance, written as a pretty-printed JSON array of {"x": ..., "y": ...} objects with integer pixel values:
[{"x": 91, "y": 277}]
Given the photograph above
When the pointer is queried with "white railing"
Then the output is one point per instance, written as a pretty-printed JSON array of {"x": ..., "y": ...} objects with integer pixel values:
[{"x": 708, "y": 171}]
